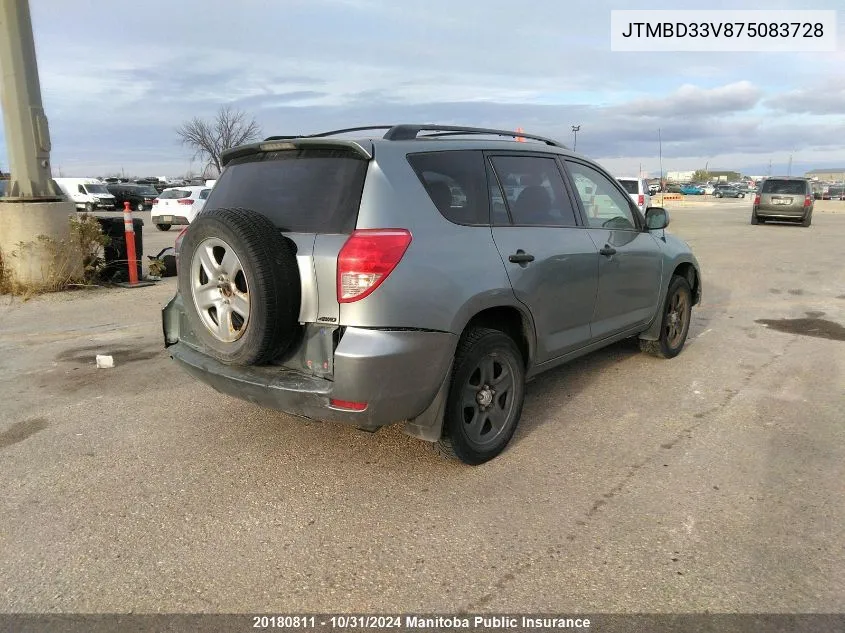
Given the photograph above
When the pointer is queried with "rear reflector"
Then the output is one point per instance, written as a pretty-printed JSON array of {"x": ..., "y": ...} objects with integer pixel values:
[
  {"x": 185, "y": 201},
  {"x": 366, "y": 259},
  {"x": 347, "y": 404}
]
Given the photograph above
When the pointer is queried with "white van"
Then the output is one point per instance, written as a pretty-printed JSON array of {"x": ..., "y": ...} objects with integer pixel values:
[
  {"x": 637, "y": 188},
  {"x": 87, "y": 193}
]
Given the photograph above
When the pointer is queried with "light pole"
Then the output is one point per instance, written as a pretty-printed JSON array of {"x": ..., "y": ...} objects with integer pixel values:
[
  {"x": 33, "y": 205},
  {"x": 789, "y": 167},
  {"x": 575, "y": 129},
  {"x": 660, "y": 156}
]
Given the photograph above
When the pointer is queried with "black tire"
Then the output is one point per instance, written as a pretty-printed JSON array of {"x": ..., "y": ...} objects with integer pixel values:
[
  {"x": 139, "y": 207},
  {"x": 268, "y": 278},
  {"x": 717, "y": 195},
  {"x": 89, "y": 208},
  {"x": 742, "y": 195},
  {"x": 673, "y": 334},
  {"x": 481, "y": 353},
  {"x": 163, "y": 227},
  {"x": 808, "y": 219}
]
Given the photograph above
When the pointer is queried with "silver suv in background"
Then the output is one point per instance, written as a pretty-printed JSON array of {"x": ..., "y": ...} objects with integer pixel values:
[
  {"x": 639, "y": 191},
  {"x": 418, "y": 277},
  {"x": 789, "y": 199}
]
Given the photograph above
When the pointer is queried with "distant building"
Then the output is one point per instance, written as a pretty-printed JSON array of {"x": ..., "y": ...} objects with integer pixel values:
[
  {"x": 831, "y": 173},
  {"x": 679, "y": 176},
  {"x": 723, "y": 175}
]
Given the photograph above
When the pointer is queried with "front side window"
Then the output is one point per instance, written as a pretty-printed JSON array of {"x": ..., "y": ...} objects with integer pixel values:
[
  {"x": 534, "y": 191},
  {"x": 605, "y": 206}
]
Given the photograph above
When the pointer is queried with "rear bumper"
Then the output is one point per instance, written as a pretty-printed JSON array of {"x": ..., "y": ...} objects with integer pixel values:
[
  {"x": 176, "y": 220},
  {"x": 397, "y": 373},
  {"x": 786, "y": 214}
]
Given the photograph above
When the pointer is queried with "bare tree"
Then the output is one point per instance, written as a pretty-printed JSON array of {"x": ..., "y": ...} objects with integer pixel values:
[{"x": 210, "y": 138}]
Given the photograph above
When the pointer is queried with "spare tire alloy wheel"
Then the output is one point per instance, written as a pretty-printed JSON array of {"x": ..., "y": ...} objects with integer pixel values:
[
  {"x": 220, "y": 290},
  {"x": 240, "y": 286}
]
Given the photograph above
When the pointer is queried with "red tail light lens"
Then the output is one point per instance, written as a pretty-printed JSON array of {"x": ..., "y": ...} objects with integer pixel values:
[
  {"x": 155, "y": 201},
  {"x": 757, "y": 199},
  {"x": 366, "y": 260},
  {"x": 641, "y": 200},
  {"x": 185, "y": 201},
  {"x": 808, "y": 200},
  {"x": 347, "y": 404}
]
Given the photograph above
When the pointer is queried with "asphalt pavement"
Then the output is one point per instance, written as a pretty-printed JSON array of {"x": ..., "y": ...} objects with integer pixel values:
[{"x": 712, "y": 481}]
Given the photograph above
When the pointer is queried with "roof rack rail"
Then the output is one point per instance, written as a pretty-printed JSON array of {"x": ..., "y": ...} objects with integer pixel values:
[
  {"x": 407, "y": 132},
  {"x": 331, "y": 133}
]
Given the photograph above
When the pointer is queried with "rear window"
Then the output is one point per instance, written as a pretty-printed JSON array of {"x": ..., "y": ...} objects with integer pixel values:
[
  {"x": 175, "y": 193},
  {"x": 302, "y": 191},
  {"x": 794, "y": 187},
  {"x": 629, "y": 185}
]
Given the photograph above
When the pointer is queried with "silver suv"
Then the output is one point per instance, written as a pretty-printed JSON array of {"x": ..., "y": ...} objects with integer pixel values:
[{"x": 418, "y": 277}]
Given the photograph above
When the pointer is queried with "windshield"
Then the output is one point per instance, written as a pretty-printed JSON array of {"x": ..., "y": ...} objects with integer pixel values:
[
  {"x": 629, "y": 185},
  {"x": 172, "y": 194},
  {"x": 99, "y": 189},
  {"x": 794, "y": 187}
]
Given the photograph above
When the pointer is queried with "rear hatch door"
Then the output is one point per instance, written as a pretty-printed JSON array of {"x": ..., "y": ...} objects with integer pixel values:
[
  {"x": 783, "y": 195},
  {"x": 311, "y": 192}
]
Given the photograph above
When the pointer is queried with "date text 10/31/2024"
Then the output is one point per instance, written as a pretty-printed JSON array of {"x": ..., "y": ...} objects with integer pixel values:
[{"x": 417, "y": 622}]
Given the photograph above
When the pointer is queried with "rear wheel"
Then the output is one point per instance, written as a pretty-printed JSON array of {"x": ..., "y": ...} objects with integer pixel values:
[
  {"x": 808, "y": 219},
  {"x": 163, "y": 227},
  {"x": 485, "y": 396},
  {"x": 742, "y": 195},
  {"x": 674, "y": 328},
  {"x": 139, "y": 206}
]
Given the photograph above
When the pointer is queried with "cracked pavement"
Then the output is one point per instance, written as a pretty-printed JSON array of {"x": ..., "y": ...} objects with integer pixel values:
[{"x": 712, "y": 481}]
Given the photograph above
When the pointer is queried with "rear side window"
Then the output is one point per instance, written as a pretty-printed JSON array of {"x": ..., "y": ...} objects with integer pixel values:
[
  {"x": 793, "y": 187},
  {"x": 174, "y": 194},
  {"x": 456, "y": 183},
  {"x": 302, "y": 191},
  {"x": 629, "y": 185}
]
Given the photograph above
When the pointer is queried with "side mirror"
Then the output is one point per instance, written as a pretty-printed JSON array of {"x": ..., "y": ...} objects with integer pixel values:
[{"x": 656, "y": 218}]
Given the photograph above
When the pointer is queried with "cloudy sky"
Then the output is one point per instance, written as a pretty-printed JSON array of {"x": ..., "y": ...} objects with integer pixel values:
[{"x": 117, "y": 78}]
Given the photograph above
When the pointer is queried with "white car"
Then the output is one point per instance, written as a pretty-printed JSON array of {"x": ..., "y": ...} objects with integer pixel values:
[
  {"x": 637, "y": 188},
  {"x": 178, "y": 206}
]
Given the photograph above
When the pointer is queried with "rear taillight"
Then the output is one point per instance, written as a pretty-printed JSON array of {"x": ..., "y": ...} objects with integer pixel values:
[
  {"x": 185, "y": 201},
  {"x": 366, "y": 259},
  {"x": 641, "y": 200},
  {"x": 808, "y": 200},
  {"x": 757, "y": 199},
  {"x": 155, "y": 201}
]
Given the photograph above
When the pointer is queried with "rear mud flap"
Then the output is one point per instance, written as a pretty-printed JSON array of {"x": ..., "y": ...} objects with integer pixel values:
[{"x": 428, "y": 425}]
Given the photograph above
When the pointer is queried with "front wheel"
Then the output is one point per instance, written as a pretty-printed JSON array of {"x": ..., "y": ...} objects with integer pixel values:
[
  {"x": 674, "y": 328},
  {"x": 89, "y": 208},
  {"x": 163, "y": 227},
  {"x": 485, "y": 396},
  {"x": 717, "y": 195},
  {"x": 742, "y": 195}
]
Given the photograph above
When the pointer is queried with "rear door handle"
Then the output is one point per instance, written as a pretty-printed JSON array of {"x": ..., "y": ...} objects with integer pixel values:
[
  {"x": 521, "y": 257},
  {"x": 608, "y": 250}
]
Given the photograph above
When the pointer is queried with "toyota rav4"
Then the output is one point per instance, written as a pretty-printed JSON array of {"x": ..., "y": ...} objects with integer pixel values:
[{"x": 418, "y": 277}]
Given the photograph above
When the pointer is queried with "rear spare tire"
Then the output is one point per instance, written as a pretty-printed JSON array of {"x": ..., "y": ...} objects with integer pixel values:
[{"x": 240, "y": 285}]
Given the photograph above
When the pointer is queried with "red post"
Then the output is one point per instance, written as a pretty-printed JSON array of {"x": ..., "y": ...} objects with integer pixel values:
[{"x": 129, "y": 231}]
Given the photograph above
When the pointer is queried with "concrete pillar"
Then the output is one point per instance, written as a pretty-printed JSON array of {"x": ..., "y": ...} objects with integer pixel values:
[{"x": 33, "y": 205}]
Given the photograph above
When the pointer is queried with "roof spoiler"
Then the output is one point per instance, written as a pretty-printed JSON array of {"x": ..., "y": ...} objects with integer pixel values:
[{"x": 281, "y": 143}]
